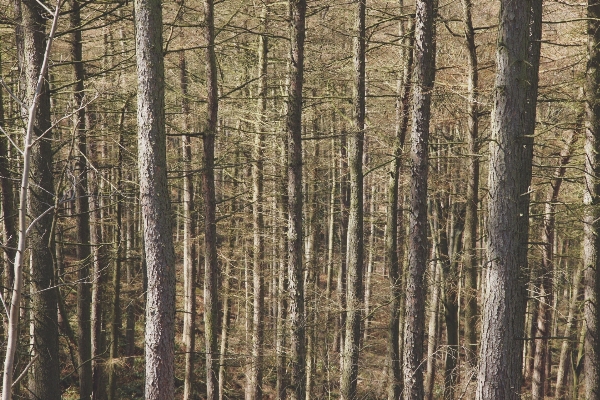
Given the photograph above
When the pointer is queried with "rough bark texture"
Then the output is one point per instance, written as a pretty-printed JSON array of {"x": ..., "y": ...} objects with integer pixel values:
[
  {"x": 591, "y": 199},
  {"x": 470, "y": 232},
  {"x": 295, "y": 269},
  {"x": 45, "y": 371},
  {"x": 155, "y": 203},
  {"x": 355, "y": 240},
  {"x": 504, "y": 306},
  {"x": 210, "y": 209},
  {"x": 417, "y": 259}
]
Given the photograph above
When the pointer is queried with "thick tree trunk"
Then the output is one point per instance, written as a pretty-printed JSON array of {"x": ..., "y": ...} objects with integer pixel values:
[
  {"x": 45, "y": 370},
  {"x": 591, "y": 238},
  {"x": 155, "y": 203},
  {"x": 355, "y": 240},
  {"x": 510, "y": 173},
  {"x": 417, "y": 259}
]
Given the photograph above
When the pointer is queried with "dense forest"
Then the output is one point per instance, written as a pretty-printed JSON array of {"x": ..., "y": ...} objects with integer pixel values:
[{"x": 262, "y": 199}]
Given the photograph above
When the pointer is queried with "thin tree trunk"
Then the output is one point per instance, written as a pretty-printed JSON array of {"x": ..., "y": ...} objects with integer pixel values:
[
  {"x": 189, "y": 236},
  {"x": 395, "y": 258},
  {"x": 470, "y": 232},
  {"x": 208, "y": 188},
  {"x": 432, "y": 333},
  {"x": 115, "y": 322},
  {"x": 155, "y": 203},
  {"x": 591, "y": 239},
  {"x": 417, "y": 259},
  {"x": 355, "y": 240},
  {"x": 546, "y": 294},
  {"x": 258, "y": 251},
  {"x": 561, "y": 375},
  {"x": 295, "y": 288},
  {"x": 82, "y": 207}
]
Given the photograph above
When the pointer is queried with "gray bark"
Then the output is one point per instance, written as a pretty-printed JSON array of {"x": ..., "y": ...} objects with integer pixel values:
[
  {"x": 155, "y": 203},
  {"x": 510, "y": 175}
]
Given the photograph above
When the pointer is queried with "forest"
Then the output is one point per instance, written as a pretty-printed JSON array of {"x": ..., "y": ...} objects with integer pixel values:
[{"x": 261, "y": 199}]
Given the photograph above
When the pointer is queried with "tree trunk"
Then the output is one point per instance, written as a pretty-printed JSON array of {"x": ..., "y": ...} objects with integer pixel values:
[
  {"x": 470, "y": 232},
  {"x": 510, "y": 172},
  {"x": 210, "y": 224},
  {"x": 417, "y": 258},
  {"x": 546, "y": 294},
  {"x": 591, "y": 239},
  {"x": 155, "y": 203},
  {"x": 258, "y": 250},
  {"x": 567, "y": 347},
  {"x": 394, "y": 257},
  {"x": 189, "y": 237},
  {"x": 82, "y": 207},
  {"x": 355, "y": 240},
  {"x": 45, "y": 371}
]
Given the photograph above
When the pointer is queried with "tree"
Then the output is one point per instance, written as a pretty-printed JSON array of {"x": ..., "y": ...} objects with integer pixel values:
[
  {"x": 294, "y": 170},
  {"x": 155, "y": 203},
  {"x": 355, "y": 247},
  {"x": 510, "y": 172},
  {"x": 424, "y": 61},
  {"x": 591, "y": 198}
]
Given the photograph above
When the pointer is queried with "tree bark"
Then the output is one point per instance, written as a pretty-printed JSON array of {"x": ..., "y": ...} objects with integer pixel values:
[
  {"x": 155, "y": 203},
  {"x": 355, "y": 240},
  {"x": 417, "y": 259},
  {"x": 510, "y": 175},
  {"x": 470, "y": 232}
]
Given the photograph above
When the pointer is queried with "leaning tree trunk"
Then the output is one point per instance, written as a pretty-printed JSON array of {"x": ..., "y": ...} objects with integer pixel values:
[
  {"x": 591, "y": 239},
  {"x": 510, "y": 171},
  {"x": 417, "y": 259},
  {"x": 355, "y": 240},
  {"x": 155, "y": 203}
]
